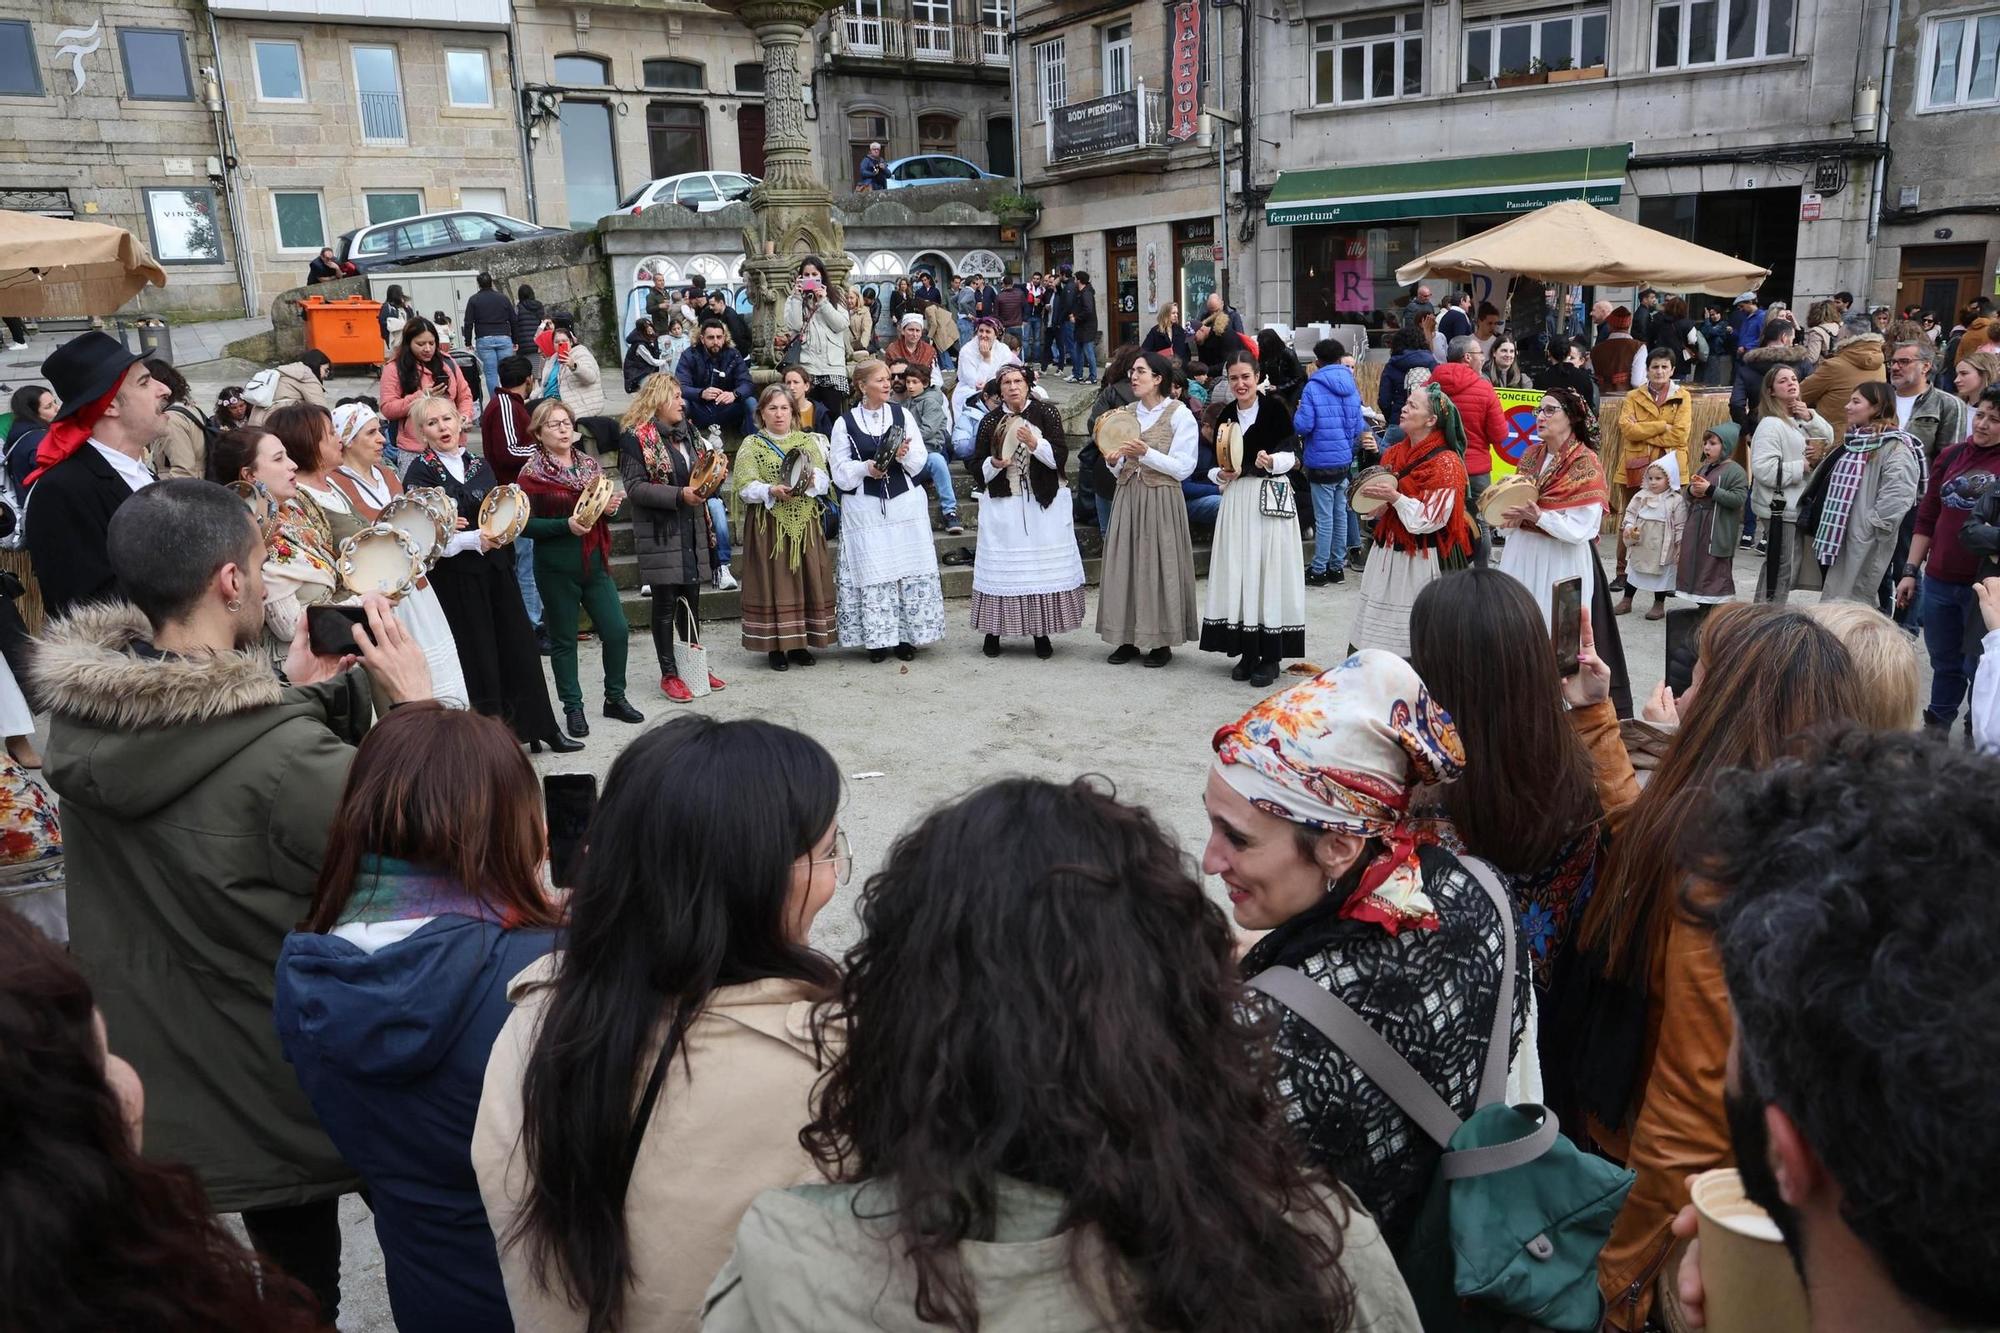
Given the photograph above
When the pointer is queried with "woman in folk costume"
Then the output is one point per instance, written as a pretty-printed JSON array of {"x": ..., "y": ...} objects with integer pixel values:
[
  {"x": 886, "y": 577},
  {"x": 657, "y": 457},
  {"x": 787, "y": 597},
  {"x": 298, "y": 551},
  {"x": 1256, "y": 584},
  {"x": 979, "y": 363},
  {"x": 1028, "y": 578},
  {"x": 1717, "y": 492},
  {"x": 475, "y": 584},
  {"x": 355, "y": 495},
  {"x": 1554, "y": 537},
  {"x": 1422, "y": 531},
  {"x": 1654, "y": 521},
  {"x": 1146, "y": 602},
  {"x": 573, "y": 564}
]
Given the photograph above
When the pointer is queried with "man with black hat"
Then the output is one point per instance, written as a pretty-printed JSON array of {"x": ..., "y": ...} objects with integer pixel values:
[{"x": 90, "y": 462}]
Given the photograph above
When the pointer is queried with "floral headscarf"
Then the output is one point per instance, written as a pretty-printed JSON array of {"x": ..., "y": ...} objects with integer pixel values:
[
  {"x": 1449, "y": 423},
  {"x": 1343, "y": 751},
  {"x": 350, "y": 419}
]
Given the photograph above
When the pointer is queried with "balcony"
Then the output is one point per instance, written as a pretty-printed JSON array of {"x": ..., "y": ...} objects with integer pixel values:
[
  {"x": 1123, "y": 132},
  {"x": 382, "y": 118},
  {"x": 965, "y": 45}
]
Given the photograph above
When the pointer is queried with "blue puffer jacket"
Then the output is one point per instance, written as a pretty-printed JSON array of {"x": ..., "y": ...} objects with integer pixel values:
[
  {"x": 1329, "y": 418},
  {"x": 1391, "y": 395}
]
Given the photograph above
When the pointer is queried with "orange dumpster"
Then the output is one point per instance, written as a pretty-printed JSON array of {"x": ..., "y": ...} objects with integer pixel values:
[{"x": 347, "y": 331}]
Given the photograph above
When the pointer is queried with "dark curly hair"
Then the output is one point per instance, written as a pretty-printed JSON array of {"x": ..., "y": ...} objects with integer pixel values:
[
  {"x": 93, "y": 1236},
  {"x": 1043, "y": 992},
  {"x": 1850, "y": 889}
]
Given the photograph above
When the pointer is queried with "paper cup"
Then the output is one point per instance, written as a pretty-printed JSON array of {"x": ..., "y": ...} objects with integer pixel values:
[{"x": 1746, "y": 1273}]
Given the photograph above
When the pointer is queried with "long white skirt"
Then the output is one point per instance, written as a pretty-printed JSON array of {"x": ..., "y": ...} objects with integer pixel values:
[
  {"x": 1389, "y": 588},
  {"x": 1256, "y": 580},
  {"x": 16, "y": 718},
  {"x": 885, "y": 575},
  {"x": 423, "y": 616}
]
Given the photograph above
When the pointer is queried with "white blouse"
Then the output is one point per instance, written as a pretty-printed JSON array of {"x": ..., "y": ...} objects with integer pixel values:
[{"x": 1179, "y": 461}]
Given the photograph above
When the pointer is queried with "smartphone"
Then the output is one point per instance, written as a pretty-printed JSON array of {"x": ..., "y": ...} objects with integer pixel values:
[
  {"x": 1566, "y": 625},
  {"x": 330, "y": 629},
  {"x": 569, "y": 800}
]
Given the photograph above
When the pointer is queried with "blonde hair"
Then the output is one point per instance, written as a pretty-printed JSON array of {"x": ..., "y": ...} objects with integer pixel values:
[
  {"x": 426, "y": 406},
  {"x": 654, "y": 393},
  {"x": 866, "y": 370},
  {"x": 772, "y": 393},
  {"x": 1885, "y": 663},
  {"x": 545, "y": 409},
  {"x": 1987, "y": 364}
]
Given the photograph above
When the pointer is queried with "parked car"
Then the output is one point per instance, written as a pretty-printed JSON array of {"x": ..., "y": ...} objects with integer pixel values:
[
  {"x": 703, "y": 191},
  {"x": 429, "y": 236},
  {"x": 935, "y": 169}
]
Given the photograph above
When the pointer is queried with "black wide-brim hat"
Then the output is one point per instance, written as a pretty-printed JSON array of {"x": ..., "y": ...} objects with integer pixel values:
[{"x": 86, "y": 368}]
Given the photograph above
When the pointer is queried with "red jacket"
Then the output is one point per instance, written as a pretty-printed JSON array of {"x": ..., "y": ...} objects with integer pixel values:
[{"x": 1478, "y": 408}]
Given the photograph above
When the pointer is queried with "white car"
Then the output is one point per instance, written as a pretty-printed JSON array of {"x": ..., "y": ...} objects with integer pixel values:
[{"x": 703, "y": 191}]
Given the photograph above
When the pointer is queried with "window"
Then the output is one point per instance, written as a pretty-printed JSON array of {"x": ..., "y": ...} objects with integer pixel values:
[
  {"x": 1372, "y": 59},
  {"x": 1961, "y": 62},
  {"x": 864, "y": 128},
  {"x": 389, "y": 205},
  {"x": 279, "y": 71},
  {"x": 182, "y": 222},
  {"x": 423, "y": 234},
  {"x": 485, "y": 198},
  {"x": 1118, "y": 58},
  {"x": 379, "y": 86},
  {"x": 479, "y": 229},
  {"x": 930, "y": 29},
  {"x": 156, "y": 67},
  {"x": 1560, "y": 39},
  {"x": 1051, "y": 76},
  {"x": 937, "y": 134},
  {"x": 590, "y": 161},
  {"x": 467, "y": 81},
  {"x": 585, "y": 71},
  {"x": 862, "y": 26},
  {"x": 301, "y": 219},
  {"x": 19, "y": 74},
  {"x": 750, "y": 78},
  {"x": 996, "y": 18},
  {"x": 676, "y": 138},
  {"x": 1712, "y": 32},
  {"x": 684, "y": 75},
  {"x": 696, "y": 189}
]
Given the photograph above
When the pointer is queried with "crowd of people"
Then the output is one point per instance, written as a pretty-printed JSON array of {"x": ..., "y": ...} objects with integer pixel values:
[{"x": 1056, "y": 1084}]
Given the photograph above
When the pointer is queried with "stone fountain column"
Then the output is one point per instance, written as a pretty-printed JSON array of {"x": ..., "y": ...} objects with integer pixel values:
[{"x": 793, "y": 209}]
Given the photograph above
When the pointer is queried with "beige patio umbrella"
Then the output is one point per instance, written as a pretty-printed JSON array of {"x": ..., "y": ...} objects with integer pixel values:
[
  {"x": 1574, "y": 242},
  {"x": 55, "y": 266}
]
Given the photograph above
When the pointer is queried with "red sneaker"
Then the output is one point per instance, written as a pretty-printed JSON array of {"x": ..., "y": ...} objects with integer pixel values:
[
  {"x": 715, "y": 682},
  {"x": 676, "y": 689}
]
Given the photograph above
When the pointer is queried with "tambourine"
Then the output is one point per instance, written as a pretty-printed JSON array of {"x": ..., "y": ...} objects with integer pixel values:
[
  {"x": 1228, "y": 447},
  {"x": 503, "y": 514},
  {"x": 1014, "y": 436},
  {"x": 413, "y": 515},
  {"x": 711, "y": 469},
  {"x": 1116, "y": 429},
  {"x": 1510, "y": 492},
  {"x": 595, "y": 499},
  {"x": 379, "y": 558},
  {"x": 263, "y": 506},
  {"x": 1365, "y": 504},
  {"x": 438, "y": 500},
  {"x": 797, "y": 470}
]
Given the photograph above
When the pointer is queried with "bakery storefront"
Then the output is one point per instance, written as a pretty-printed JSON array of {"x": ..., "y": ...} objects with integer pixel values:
[{"x": 1352, "y": 227}]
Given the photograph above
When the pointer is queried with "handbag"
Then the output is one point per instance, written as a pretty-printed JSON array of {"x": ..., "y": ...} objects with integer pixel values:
[
  {"x": 1812, "y": 501},
  {"x": 1276, "y": 499},
  {"x": 690, "y": 658},
  {"x": 1515, "y": 1215}
]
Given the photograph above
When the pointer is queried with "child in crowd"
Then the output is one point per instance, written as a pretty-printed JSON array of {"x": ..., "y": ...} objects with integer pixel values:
[
  {"x": 675, "y": 341},
  {"x": 447, "y": 332},
  {"x": 1655, "y": 519}
]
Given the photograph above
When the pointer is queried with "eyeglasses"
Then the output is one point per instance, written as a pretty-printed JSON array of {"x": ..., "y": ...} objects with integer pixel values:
[
  {"x": 1904, "y": 360},
  {"x": 842, "y": 859}
]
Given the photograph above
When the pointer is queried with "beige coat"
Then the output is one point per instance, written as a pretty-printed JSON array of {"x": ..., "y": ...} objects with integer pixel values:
[
  {"x": 296, "y": 384},
  {"x": 1826, "y": 391},
  {"x": 1891, "y": 485},
  {"x": 181, "y": 449},
  {"x": 712, "y": 1146}
]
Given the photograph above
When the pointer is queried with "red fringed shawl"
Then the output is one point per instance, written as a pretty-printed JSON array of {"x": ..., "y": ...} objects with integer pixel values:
[{"x": 1444, "y": 470}]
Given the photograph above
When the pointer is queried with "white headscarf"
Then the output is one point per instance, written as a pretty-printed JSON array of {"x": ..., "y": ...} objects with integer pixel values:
[{"x": 350, "y": 419}]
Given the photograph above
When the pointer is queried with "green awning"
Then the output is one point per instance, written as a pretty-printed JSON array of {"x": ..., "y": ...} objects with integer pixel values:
[{"x": 1448, "y": 187}]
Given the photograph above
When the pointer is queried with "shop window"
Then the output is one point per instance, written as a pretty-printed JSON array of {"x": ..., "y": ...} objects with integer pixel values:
[
  {"x": 1051, "y": 76},
  {"x": 678, "y": 75},
  {"x": 1558, "y": 39},
  {"x": 156, "y": 66},
  {"x": 937, "y": 134},
  {"x": 1344, "y": 275},
  {"x": 1961, "y": 61},
  {"x": 19, "y": 74},
  {"x": 750, "y": 78},
  {"x": 279, "y": 71},
  {"x": 182, "y": 224},
  {"x": 1715, "y": 32},
  {"x": 1373, "y": 59},
  {"x": 676, "y": 138},
  {"x": 300, "y": 219},
  {"x": 582, "y": 71},
  {"x": 467, "y": 79}
]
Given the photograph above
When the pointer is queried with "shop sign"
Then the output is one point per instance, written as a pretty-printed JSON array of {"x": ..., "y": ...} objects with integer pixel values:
[
  {"x": 1184, "y": 115},
  {"x": 1101, "y": 125}
]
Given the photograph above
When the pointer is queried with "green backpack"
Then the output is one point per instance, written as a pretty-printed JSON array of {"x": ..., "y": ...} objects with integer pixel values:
[{"x": 1512, "y": 1223}]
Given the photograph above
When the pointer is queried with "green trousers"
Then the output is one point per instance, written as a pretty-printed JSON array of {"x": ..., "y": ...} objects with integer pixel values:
[{"x": 562, "y": 597}]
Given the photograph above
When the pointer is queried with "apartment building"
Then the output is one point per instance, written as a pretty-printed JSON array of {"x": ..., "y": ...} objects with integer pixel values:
[
  {"x": 1120, "y": 141},
  {"x": 916, "y": 76}
]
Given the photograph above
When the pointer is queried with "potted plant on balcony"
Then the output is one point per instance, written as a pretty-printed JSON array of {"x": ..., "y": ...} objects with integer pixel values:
[
  {"x": 1516, "y": 77},
  {"x": 1564, "y": 71},
  {"x": 1016, "y": 210}
]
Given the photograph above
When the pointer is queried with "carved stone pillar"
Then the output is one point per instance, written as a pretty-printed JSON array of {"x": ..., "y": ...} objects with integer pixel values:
[{"x": 793, "y": 208}]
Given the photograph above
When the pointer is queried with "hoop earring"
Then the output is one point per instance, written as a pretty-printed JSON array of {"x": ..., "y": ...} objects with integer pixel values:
[{"x": 234, "y": 606}]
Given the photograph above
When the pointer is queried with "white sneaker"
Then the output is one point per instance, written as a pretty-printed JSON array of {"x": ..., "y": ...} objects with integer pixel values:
[
  {"x": 645, "y": 590},
  {"x": 726, "y": 580},
  {"x": 17, "y": 347}
]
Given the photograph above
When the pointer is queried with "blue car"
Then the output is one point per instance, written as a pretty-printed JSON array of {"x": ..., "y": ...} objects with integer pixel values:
[{"x": 935, "y": 169}]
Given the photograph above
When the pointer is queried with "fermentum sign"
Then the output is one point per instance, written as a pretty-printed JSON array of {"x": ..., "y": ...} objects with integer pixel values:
[
  {"x": 1101, "y": 125},
  {"x": 1184, "y": 115}
]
